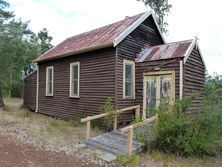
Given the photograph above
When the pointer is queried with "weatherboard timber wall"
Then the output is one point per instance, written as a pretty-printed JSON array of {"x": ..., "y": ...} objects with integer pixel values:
[
  {"x": 30, "y": 85},
  {"x": 97, "y": 82},
  {"x": 165, "y": 65},
  {"x": 144, "y": 34},
  {"x": 194, "y": 72}
]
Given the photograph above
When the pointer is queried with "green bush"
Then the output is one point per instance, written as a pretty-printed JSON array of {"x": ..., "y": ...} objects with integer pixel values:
[
  {"x": 176, "y": 133},
  {"x": 110, "y": 109}
]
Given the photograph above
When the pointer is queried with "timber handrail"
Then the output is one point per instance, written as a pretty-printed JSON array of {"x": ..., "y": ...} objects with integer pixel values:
[
  {"x": 130, "y": 128},
  {"x": 138, "y": 124},
  {"x": 90, "y": 118}
]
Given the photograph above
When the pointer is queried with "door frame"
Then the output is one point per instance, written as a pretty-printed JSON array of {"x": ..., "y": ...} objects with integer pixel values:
[{"x": 157, "y": 73}]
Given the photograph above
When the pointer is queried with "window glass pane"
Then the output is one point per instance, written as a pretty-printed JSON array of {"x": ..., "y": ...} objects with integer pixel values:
[
  {"x": 128, "y": 89},
  {"x": 75, "y": 72},
  {"x": 49, "y": 75},
  {"x": 128, "y": 72},
  {"x": 165, "y": 88},
  {"x": 151, "y": 93},
  {"x": 49, "y": 87},
  {"x": 49, "y": 83},
  {"x": 75, "y": 87}
]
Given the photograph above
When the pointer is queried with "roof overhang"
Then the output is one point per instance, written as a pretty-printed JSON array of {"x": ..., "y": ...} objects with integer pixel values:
[
  {"x": 76, "y": 52},
  {"x": 124, "y": 34}
]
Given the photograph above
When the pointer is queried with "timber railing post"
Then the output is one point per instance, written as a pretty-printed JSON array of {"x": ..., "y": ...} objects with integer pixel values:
[
  {"x": 137, "y": 112},
  {"x": 88, "y": 128},
  {"x": 157, "y": 119},
  {"x": 115, "y": 123},
  {"x": 130, "y": 140}
]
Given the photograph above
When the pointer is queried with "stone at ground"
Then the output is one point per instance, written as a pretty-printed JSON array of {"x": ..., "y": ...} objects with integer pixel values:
[{"x": 107, "y": 157}]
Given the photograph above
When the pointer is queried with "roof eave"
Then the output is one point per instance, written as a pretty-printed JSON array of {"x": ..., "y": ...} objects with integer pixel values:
[{"x": 75, "y": 52}]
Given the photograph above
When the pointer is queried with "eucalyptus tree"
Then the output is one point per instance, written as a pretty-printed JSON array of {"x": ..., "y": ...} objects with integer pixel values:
[{"x": 161, "y": 9}]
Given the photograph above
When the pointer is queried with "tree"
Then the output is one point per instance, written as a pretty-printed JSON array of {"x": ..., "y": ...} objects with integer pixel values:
[
  {"x": 161, "y": 9},
  {"x": 17, "y": 51},
  {"x": 4, "y": 16},
  {"x": 44, "y": 40},
  {"x": 19, "y": 46}
]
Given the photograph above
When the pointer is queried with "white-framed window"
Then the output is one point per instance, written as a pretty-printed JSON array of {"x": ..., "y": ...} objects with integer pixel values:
[
  {"x": 128, "y": 79},
  {"x": 49, "y": 80},
  {"x": 74, "y": 79}
]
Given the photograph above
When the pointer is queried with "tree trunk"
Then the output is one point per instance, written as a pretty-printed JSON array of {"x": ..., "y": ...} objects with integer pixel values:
[{"x": 1, "y": 96}]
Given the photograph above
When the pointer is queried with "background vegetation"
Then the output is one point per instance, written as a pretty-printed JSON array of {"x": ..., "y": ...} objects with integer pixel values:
[{"x": 19, "y": 46}]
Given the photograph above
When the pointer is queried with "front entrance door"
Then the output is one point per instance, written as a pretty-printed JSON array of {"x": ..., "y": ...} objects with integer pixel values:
[{"x": 158, "y": 86}]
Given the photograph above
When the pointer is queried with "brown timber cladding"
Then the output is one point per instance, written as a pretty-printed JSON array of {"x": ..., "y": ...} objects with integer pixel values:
[
  {"x": 30, "y": 84},
  {"x": 97, "y": 82},
  {"x": 165, "y": 65},
  {"x": 194, "y": 72},
  {"x": 128, "y": 49}
]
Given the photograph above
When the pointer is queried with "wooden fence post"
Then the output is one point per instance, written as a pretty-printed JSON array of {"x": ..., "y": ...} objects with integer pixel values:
[
  {"x": 115, "y": 123},
  {"x": 137, "y": 112},
  {"x": 157, "y": 119},
  {"x": 88, "y": 127},
  {"x": 130, "y": 140}
]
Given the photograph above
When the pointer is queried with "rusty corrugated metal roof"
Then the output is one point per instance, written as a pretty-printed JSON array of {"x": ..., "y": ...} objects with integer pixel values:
[
  {"x": 94, "y": 39},
  {"x": 165, "y": 51}
]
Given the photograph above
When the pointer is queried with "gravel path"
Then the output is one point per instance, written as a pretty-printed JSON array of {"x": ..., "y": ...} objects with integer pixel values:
[{"x": 15, "y": 153}]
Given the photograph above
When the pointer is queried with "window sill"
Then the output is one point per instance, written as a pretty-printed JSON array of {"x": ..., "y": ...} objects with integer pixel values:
[
  {"x": 49, "y": 95},
  {"x": 75, "y": 97},
  {"x": 129, "y": 98}
]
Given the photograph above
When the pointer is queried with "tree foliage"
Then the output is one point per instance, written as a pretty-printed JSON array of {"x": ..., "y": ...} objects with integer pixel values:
[
  {"x": 161, "y": 9},
  {"x": 213, "y": 89},
  {"x": 44, "y": 40},
  {"x": 19, "y": 46}
]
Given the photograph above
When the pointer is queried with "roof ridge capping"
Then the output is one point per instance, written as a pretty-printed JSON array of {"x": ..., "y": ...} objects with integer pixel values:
[{"x": 118, "y": 39}]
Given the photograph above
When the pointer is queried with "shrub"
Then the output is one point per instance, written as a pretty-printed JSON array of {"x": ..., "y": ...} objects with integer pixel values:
[
  {"x": 110, "y": 109},
  {"x": 176, "y": 133}
]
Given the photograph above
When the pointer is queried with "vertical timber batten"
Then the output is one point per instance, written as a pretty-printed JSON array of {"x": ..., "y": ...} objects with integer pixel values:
[
  {"x": 37, "y": 90},
  {"x": 116, "y": 75},
  {"x": 181, "y": 79}
]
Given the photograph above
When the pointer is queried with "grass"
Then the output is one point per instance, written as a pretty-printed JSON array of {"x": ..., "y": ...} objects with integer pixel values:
[
  {"x": 49, "y": 132},
  {"x": 128, "y": 160},
  {"x": 13, "y": 100}
]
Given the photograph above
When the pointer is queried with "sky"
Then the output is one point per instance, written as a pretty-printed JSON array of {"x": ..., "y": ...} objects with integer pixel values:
[{"x": 186, "y": 20}]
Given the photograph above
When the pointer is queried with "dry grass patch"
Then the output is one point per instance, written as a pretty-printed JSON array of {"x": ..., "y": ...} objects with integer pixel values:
[{"x": 44, "y": 131}]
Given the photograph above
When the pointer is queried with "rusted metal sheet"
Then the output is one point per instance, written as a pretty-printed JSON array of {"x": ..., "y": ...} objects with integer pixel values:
[
  {"x": 165, "y": 51},
  {"x": 97, "y": 38}
]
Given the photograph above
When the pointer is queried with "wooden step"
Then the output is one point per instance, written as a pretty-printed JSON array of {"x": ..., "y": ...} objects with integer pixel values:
[{"x": 113, "y": 142}]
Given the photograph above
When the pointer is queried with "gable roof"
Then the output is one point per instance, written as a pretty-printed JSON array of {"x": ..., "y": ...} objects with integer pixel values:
[
  {"x": 165, "y": 51},
  {"x": 107, "y": 36}
]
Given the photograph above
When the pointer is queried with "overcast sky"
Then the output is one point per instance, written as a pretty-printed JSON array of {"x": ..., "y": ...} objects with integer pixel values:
[{"x": 187, "y": 19}]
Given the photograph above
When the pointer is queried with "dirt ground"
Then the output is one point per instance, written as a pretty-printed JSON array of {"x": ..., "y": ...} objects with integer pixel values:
[{"x": 14, "y": 153}]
